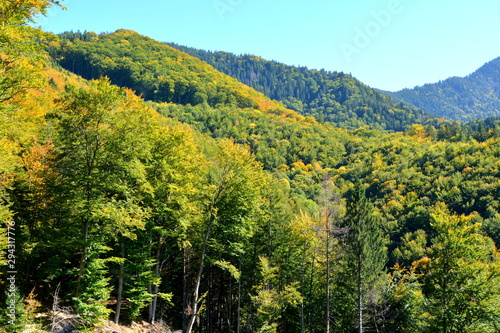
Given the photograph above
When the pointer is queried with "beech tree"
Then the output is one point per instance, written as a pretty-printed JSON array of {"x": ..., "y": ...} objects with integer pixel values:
[
  {"x": 461, "y": 276},
  {"x": 176, "y": 179},
  {"x": 232, "y": 210},
  {"x": 18, "y": 71},
  {"x": 100, "y": 142}
]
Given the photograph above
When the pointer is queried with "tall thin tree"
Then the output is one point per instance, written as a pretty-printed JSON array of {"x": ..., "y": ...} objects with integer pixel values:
[
  {"x": 329, "y": 200},
  {"x": 366, "y": 256}
]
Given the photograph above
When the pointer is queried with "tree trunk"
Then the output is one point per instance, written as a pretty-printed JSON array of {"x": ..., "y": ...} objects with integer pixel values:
[
  {"x": 229, "y": 301},
  {"x": 83, "y": 257},
  {"x": 303, "y": 283},
  {"x": 360, "y": 295},
  {"x": 184, "y": 288},
  {"x": 311, "y": 282},
  {"x": 196, "y": 295},
  {"x": 120, "y": 285},
  {"x": 152, "y": 312},
  {"x": 327, "y": 275},
  {"x": 211, "y": 314},
  {"x": 150, "y": 286},
  {"x": 239, "y": 301}
]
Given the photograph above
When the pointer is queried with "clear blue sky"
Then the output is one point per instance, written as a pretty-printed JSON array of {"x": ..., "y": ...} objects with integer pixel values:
[{"x": 388, "y": 44}]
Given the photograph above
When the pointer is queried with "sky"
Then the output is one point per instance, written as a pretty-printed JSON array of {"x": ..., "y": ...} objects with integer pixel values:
[{"x": 387, "y": 44}]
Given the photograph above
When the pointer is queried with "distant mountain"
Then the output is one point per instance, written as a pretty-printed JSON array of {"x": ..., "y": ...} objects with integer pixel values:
[
  {"x": 328, "y": 96},
  {"x": 476, "y": 96}
]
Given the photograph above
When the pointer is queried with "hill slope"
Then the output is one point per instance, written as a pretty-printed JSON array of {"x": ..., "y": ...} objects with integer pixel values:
[
  {"x": 153, "y": 69},
  {"x": 328, "y": 96},
  {"x": 475, "y": 96}
]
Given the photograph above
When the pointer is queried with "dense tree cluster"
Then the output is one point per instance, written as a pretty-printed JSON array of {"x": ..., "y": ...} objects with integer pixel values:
[
  {"x": 229, "y": 217},
  {"x": 474, "y": 96},
  {"x": 445, "y": 130}
]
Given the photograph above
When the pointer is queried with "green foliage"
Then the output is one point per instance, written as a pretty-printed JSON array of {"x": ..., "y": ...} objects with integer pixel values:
[
  {"x": 95, "y": 169},
  {"x": 139, "y": 278},
  {"x": 364, "y": 236},
  {"x": 91, "y": 303},
  {"x": 175, "y": 182},
  {"x": 236, "y": 181},
  {"x": 277, "y": 139},
  {"x": 405, "y": 309},
  {"x": 412, "y": 247},
  {"x": 365, "y": 252},
  {"x": 20, "y": 69},
  {"x": 461, "y": 276},
  {"x": 269, "y": 301},
  {"x": 17, "y": 13},
  {"x": 13, "y": 315},
  {"x": 327, "y": 96},
  {"x": 20, "y": 63}
]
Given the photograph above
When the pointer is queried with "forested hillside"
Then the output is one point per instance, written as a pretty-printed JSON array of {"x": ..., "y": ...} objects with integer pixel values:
[
  {"x": 328, "y": 96},
  {"x": 152, "y": 69},
  {"x": 475, "y": 96},
  {"x": 232, "y": 213}
]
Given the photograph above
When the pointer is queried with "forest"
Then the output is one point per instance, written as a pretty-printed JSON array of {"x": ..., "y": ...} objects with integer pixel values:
[
  {"x": 140, "y": 185},
  {"x": 333, "y": 97}
]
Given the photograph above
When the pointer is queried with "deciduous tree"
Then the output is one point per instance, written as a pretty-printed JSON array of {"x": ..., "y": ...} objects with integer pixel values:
[{"x": 461, "y": 276}]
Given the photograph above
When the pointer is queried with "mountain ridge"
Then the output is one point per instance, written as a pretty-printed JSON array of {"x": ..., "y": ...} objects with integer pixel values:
[
  {"x": 474, "y": 96},
  {"x": 326, "y": 95}
]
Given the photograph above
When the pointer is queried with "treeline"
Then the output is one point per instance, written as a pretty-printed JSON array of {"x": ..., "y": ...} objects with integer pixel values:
[
  {"x": 445, "y": 130},
  {"x": 226, "y": 219},
  {"x": 327, "y": 96},
  {"x": 459, "y": 98}
]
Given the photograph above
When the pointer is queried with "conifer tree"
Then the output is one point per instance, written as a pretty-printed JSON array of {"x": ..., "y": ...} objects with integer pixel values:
[{"x": 366, "y": 256}]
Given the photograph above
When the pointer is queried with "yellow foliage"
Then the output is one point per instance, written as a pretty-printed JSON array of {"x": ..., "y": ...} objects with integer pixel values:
[{"x": 377, "y": 162}]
